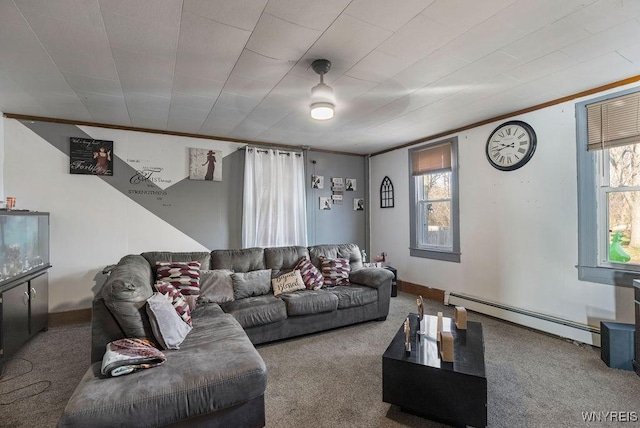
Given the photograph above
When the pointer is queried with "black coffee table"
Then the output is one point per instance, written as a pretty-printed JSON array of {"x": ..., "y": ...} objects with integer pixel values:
[{"x": 421, "y": 383}]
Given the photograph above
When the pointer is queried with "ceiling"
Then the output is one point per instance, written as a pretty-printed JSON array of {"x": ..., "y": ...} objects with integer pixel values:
[{"x": 240, "y": 69}]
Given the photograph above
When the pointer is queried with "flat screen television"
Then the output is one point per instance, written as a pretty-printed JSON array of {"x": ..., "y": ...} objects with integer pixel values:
[{"x": 24, "y": 243}]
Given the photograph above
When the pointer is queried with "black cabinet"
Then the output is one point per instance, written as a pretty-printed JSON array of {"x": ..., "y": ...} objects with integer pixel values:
[
  {"x": 394, "y": 281},
  {"x": 24, "y": 311}
]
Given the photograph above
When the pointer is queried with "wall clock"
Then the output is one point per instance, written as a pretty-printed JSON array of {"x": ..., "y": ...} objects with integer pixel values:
[{"x": 511, "y": 145}]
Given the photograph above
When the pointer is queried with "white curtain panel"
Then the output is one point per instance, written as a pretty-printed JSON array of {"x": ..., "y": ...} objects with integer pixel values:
[{"x": 274, "y": 203}]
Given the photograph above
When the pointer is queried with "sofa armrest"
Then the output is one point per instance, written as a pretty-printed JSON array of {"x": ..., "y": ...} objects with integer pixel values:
[
  {"x": 371, "y": 277},
  {"x": 377, "y": 278}
]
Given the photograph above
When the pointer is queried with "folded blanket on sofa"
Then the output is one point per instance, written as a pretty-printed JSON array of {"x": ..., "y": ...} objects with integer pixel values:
[{"x": 125, "y": 356}]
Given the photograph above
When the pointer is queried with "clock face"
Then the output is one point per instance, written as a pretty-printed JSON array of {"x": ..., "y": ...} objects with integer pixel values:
[{"x": 511, "y": 145}]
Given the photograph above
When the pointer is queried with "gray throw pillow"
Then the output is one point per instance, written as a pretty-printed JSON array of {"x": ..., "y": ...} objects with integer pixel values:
[
  {"x": 248, "y": 284},
  {"x": 167, "y": 326},
  {"x": 216, "y": 286}
]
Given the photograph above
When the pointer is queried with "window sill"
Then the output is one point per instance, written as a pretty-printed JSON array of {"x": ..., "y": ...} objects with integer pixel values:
[
  {"x": 447, "y": 256},
  {"x": 606, "y": 275}
]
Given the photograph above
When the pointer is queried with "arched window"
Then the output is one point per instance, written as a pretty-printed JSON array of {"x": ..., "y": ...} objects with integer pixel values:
[{"x": 386, "y": 193}]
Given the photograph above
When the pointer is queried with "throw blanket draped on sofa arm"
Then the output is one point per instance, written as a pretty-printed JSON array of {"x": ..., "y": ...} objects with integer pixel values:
[{"x": 377, "y": 278}]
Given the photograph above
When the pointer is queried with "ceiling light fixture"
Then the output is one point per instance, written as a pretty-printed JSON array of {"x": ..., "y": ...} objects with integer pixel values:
[{"x": 322, "y": 101}]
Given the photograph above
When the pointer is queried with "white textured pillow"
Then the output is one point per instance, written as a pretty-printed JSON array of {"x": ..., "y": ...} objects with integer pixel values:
[
  {"x": 287, "y": 283},
  {"x": 168, "y": 327}
]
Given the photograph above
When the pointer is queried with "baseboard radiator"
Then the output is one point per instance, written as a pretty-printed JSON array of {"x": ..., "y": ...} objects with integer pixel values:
[{"x": 549, "y": 324}]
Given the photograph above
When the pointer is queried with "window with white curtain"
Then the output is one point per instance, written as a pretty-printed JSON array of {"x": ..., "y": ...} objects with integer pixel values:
[{"x": 274, "y": 202}]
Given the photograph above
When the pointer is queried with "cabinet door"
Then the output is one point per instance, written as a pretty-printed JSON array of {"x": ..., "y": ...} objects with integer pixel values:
[
  {"x": 39, "y": 295},
  {"x": 15, "y": 318}
]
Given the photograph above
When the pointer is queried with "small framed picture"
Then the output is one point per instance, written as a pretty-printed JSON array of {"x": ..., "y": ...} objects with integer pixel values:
[
  {"x": 317, "y": 182},
  {"x": 358, "y": 204},
  {"x": 325, "y": 203},
  {"x": 335, "y": 181},
  {"x": 350, "y": 184},
  {"x": 337, "y": 199}
]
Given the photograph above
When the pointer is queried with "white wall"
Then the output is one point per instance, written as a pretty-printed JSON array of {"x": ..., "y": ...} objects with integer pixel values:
[
  {"x": 92, "y": 224},
  {"x": 518, "y": 229}
]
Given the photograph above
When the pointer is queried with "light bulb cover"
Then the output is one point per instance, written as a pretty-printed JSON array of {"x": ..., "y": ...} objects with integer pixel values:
[{"x": 322, "y": 111}]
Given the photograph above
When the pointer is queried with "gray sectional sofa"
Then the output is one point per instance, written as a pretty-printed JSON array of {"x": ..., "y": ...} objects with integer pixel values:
[{"x": 217, "y": 377}]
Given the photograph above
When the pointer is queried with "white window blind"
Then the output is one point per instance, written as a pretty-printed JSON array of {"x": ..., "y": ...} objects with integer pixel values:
[
  {"x": 431, "y": 159},
  {"x": 614, "y": 122}
]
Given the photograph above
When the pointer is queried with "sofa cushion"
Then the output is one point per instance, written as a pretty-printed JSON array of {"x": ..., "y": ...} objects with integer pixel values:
[
  {"x": 125, "y": 293},
  {"x": 308, "y": 302},
  {"x": 185, "y": 276},
  {"x": 217, "y": 367},
  {"x": 167, "y": 256},
  {"x": 335, "y": 271},
  {"x": 350, "y": 252},
  {"x": 311, "y": 275},
  {"x": 216, "y": 286},
  {"x": 177, "y": 300},
  {"x": 249, "y": 284},
  {"x": 287, "y": 283},
  {"x": 168, "y": 327},
  {"x": 244, "y": 260},
  {"x": 353, "y": 295},
  {"x": 254, "y": 311},
  {"x": 283, "y": 259}
]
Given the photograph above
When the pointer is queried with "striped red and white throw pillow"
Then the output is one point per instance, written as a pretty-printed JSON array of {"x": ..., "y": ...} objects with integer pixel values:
[
  {"x": 335, "y": 271},
  {"x": 311, "y": 275},
  {"x": 185, "y": 276},
  {"x": 176, "y": 298}
]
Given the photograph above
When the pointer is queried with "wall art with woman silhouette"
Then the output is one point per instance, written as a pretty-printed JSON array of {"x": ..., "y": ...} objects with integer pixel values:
[{"x": 205, "y": 164}]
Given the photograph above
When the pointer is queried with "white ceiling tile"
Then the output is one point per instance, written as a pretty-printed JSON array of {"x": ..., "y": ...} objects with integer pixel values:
[
  {"x": 187, "y": 125},
  {"x": 131, "y": 65},
  {"x": 149, "y": 87},
  {"x": 548, "y": 64},
  {"x": 258, "y": 67},
  {"x": 87, "y": 65},
  {"x": 378, "y": 67},
  {"x": 221, "y": 121},
  {"x": 345, "y": 42},
  {"x": 276, "y": 38},
  {"x": 207, "y": 49},
  {"x": 420, "y": 37},
  {"x": 631, "y": 53},
  {"x": 489, "y": 36},
  {"x": 148, "y": 119},
  {"x": 136, "y": 101},
  {"x": 13, "y": 99},
  {"x": 602, "y": 15},
  {"x": 109, "y": 115},
  {"x": 347, "y": 88},
  {"x": 192, "y": 102},
  {"x": 84, "y": 12},
  {"x": 546, "y": 40},
  {"x": 185, "y": 113},
  {"x": 165, "y": 12},
  {"x": 308, "y": 13},
  {"x": 247, "y": 87},
  {"x": 387, "y": 14},
  {"x": 101, "y": 100},
  {"x": 248, "y": 130},
  {"x": 295, "y": 87},
  {"x": 151, "y": 38},
  {"x": 80, "y": 83},
  {"x": 487, "y": 67},
  {"x": 242, "y": 14},
  {"x": 428, "y": 70},
  {"x": 463, "y": 13},
  {"x": 238, "y": 103},
  {"x": 605, "y": 42},
  {"x": 530, "y": 16},
  {"x": 196, "y": 86}
]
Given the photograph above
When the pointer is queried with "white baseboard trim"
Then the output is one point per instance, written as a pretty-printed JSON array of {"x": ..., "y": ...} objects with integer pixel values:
[{"x": 557, "y": 326}]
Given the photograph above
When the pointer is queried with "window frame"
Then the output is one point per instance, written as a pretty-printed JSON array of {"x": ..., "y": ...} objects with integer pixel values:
[
  {"x": 452, "y": 255},
  {"x": 589, "y": 215}
]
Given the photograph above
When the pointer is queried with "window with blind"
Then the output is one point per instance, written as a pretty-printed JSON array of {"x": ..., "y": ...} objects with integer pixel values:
[
  {"x": 608, "y": 131},
  {"x": 433, "y": 184}
]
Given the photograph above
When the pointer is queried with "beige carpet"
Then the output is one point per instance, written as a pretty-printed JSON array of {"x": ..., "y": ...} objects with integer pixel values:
[{"x": 334, "y": 379}]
